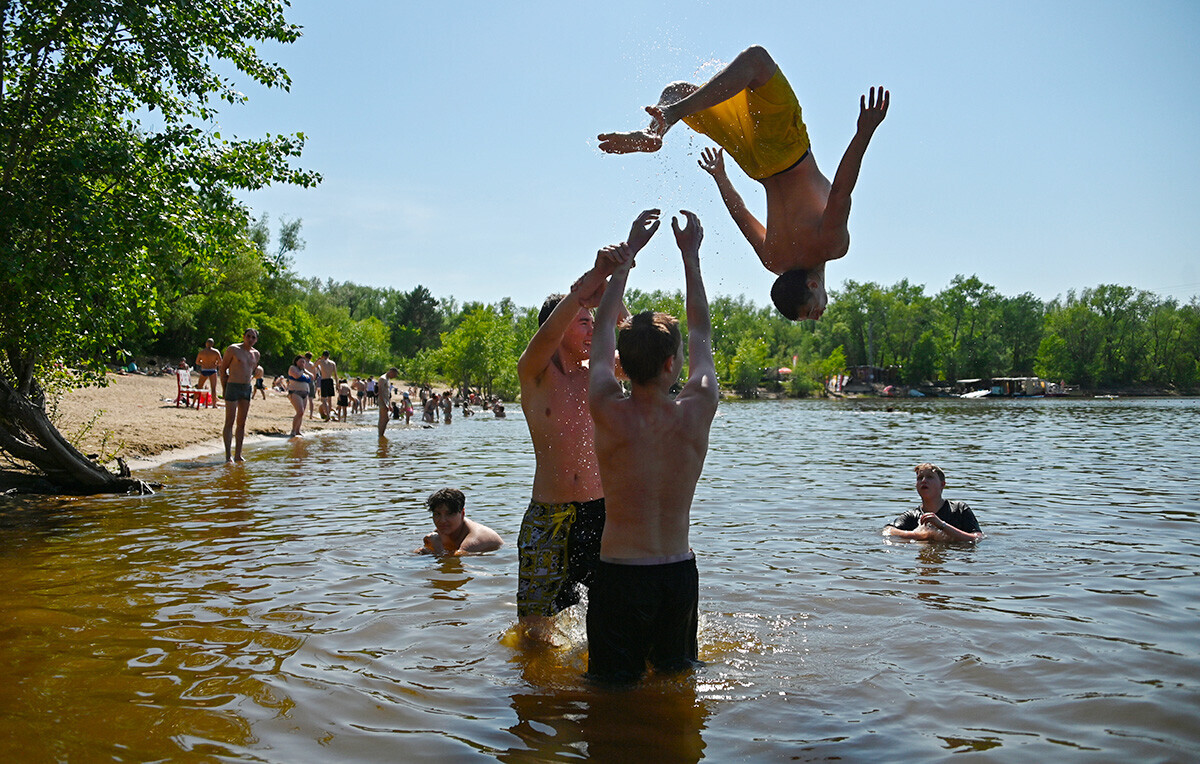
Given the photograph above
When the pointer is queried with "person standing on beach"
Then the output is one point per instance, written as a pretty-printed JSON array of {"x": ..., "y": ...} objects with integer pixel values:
[
  {"x": 559, "y": 541},
  {"x": 383, "y": 394},
  {"x": 237, "y": 370},
  {"x": 749, "y": 108},
  {"x": 935, "y": 519},
  {"x": 259, "y": 385},
  {"x": 651, "y": 447},
  {"x": 298, "y": 388},
  {"x": 311, "y": 368},
  {"x": 327, "y": 374},
  {"x": 208, "y": 361}
]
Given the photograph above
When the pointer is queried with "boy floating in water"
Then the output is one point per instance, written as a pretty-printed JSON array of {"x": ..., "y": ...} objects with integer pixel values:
[
  {"x": 750, "y": 110},
  {"x": 455, "y": 534},
  {"x": 650, "y": 446}
]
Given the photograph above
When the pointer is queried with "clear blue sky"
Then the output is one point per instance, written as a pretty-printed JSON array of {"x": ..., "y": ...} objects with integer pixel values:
[{"x": 1040, "y": 146}]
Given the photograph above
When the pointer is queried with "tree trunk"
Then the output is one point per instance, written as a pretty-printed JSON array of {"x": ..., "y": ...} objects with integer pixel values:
[{"x": 27, "y": 434}]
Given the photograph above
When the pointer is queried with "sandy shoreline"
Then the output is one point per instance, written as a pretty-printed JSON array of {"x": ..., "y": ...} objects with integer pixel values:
[{"x": 135, "y": 417}]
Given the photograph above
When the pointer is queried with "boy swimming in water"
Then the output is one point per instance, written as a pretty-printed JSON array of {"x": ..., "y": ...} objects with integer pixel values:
[
  {"x": 750, "y": 110},
  {"x": 455, "y": 534}
]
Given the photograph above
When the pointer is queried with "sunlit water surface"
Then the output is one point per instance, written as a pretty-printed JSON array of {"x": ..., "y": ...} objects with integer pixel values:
[{"x": 275, "y": 611}]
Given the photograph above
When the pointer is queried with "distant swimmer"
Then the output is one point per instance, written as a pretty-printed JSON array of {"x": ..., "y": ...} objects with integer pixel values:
[
  {"x": 559, "y": 543},
  {"x": 750, "y": 110},
  {"x": 935, "y": 519},
  {"x": 455, "y": 534},
  {"x": 651, "y": 447}
]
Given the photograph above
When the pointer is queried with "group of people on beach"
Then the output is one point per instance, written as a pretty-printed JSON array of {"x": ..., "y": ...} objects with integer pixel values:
[
  {"x": 616, "y": 471},
  {"x": 308, "y": 381}
]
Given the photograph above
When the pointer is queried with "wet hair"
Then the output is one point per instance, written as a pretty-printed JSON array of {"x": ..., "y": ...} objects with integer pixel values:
[
  {"x": 790, "y": 292},
  {"x": 548, "y": 307},
  {"x": 450, "y": 497},
  {"x": 927, "y": 467},
  {"x": 645, "y": 342}
]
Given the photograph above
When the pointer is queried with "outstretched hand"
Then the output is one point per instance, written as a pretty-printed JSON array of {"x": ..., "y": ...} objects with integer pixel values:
[
  {"x": 644, "y": 226},
  {"x": 872, "y": 112},
  {"x": 689, "y": 237},
  {"x": 712, "y": 161}
]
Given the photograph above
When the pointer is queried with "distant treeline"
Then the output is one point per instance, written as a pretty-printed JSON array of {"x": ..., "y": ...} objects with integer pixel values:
[{"x": 1106, "y": 337}]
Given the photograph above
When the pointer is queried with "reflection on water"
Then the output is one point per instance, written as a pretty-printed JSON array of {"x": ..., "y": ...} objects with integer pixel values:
[{"x": 274, "y": 611}]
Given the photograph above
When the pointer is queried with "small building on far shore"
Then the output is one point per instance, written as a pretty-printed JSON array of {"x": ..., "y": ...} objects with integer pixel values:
[{"x": 1004, "y": 387}]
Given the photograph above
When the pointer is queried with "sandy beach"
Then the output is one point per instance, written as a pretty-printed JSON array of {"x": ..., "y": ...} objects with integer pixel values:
[{"x": 135, "y": 417}]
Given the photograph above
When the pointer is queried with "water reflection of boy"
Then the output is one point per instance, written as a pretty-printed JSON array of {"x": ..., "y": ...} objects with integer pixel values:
[
  {"x": 559, "y": 542},
  {"x": 455, "y": 534},
  {"x": 935, "y": 519},
  {"x": 751, "y": 111},
  {"x": 651, "y": 447}
]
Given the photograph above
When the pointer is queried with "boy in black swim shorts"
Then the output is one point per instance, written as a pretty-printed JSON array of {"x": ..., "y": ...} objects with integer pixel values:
[{"x": 650, "y": 446}]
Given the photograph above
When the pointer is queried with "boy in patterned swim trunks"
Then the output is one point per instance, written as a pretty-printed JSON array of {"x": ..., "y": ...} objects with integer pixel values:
[
  {"x": 559, "y": 541},
  {"x": 750, "y": 110}
]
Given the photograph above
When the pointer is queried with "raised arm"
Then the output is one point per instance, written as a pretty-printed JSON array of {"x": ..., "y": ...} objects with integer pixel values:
[
  {"x": 602, "y": 376},
  {"x": 702, "y": 371},
  {"x": 585, "y": 293},
  {"x": 712, "y": 161},
  {"x": 870, "y": 115}
]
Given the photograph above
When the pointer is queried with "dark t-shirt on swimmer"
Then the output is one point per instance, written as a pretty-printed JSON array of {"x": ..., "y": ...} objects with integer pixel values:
[{"x": 957, "y": 513}]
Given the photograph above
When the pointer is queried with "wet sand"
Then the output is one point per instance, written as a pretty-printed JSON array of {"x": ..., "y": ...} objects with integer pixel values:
[{"x": 135, "y": 417}]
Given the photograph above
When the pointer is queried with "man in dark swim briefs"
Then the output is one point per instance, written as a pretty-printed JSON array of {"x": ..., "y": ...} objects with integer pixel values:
[
  {"x": 236, "y": 371},
  {"x": 651, "y": 447},
  {"x": 208, "y": 360},
  {"x": 751, "y": 111}
]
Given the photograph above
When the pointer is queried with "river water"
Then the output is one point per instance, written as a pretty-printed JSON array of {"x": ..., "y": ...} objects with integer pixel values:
[{"x": 275, "y": 611}]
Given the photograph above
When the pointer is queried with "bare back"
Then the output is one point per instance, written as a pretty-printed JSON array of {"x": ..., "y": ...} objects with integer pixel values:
[
  {"x": 651, "y": 452},
  {"x": 556, "y": 410}
]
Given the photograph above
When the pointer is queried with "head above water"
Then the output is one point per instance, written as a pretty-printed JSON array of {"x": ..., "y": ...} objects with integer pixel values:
[
  {"x": 798, "y": 295},
  {"x": 452, "y": 498},
  {"x": 925, "y": 469},
  {"x": 645, "y": 342}
]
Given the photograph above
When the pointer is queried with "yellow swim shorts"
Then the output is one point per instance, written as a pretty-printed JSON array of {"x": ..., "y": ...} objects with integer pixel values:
[{"x": 761, "y": 129}]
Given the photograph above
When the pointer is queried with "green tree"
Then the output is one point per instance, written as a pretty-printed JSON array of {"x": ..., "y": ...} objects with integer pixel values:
[{"x": 116, "y": 188}]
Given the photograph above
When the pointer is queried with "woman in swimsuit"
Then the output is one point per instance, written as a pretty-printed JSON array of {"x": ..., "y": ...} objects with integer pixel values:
[{"x": 298, "y": 384}]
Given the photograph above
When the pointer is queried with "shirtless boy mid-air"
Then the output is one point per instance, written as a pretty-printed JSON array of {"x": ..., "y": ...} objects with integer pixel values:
[
  {"x": 750, "y": 110},
  {"x": 651, "y": 447},
  {"x": 559, "y": 543}
]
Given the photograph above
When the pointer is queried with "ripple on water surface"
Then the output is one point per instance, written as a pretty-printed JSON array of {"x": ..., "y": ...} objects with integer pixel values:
[{"x": 275, "y": 611}]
